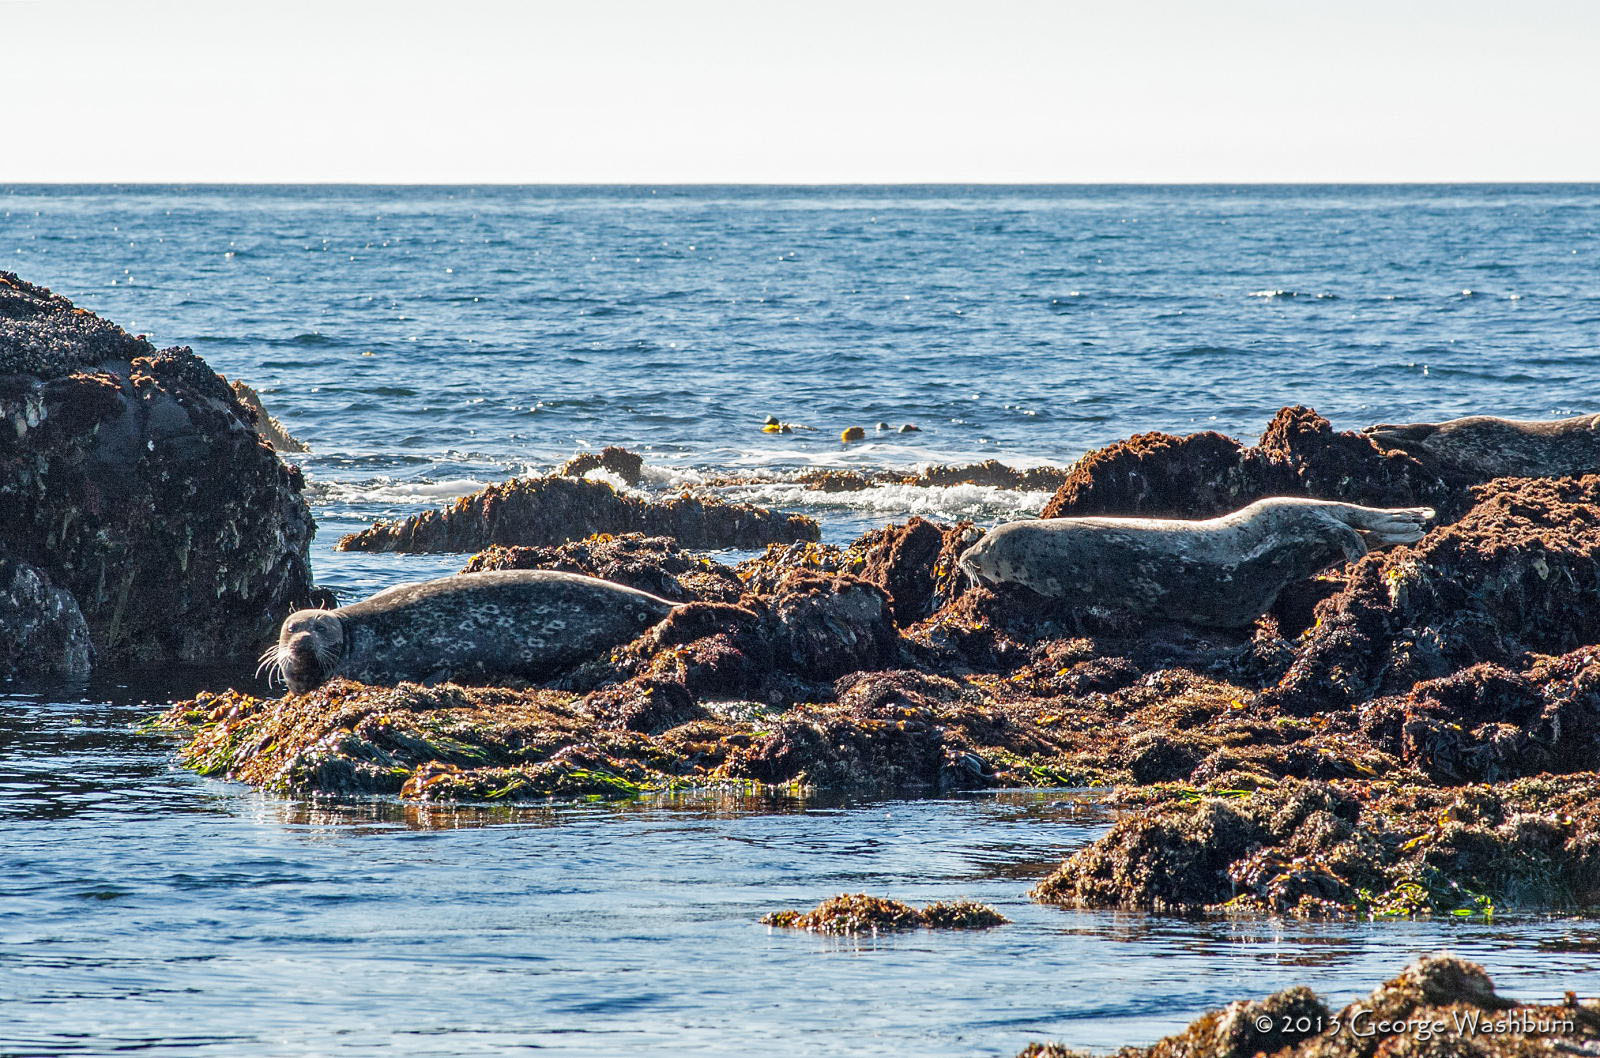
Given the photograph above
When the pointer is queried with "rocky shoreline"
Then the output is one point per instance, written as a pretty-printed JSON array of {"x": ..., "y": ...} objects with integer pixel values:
[
  {"x": 1301, "y": 766},
  {"x": 1412, "y": 732}
]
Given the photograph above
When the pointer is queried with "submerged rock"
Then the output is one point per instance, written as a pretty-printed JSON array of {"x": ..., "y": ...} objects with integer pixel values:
[
  {"x": 1315, "y": 849},
  {"x": 1438, "y": 1006},
  {"x": 859, "y": 913},
  {"x": 270, "y": 429},
  {"x": 544, "y": 512},
  {"x": 136, "y": 482}
]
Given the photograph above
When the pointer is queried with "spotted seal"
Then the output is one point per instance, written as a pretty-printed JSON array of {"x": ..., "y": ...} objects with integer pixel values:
[
  {"x": 521, "y": 622},
  {"x": 1483, "y": 446},
  {"x": 1220, "y": 572}
]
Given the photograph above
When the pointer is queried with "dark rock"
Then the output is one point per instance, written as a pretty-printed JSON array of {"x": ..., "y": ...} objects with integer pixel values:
[
  {"x": 544, "y": 512},
  {"x": 135, "y": 480},
  {"x": 1519, "y": 572},
  {"x": 1206, "y": 474},
  {"x": 916, "y": 564},
  {"x": 42, "y": 631},
  {"x": 619, "y": 461}
]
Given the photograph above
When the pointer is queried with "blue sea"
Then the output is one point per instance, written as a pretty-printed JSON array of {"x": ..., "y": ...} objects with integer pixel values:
[{"x": 428, "y": 340}]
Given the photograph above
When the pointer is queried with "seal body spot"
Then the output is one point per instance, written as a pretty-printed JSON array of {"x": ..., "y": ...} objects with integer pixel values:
[
  {"x": 527, "y": 623},
  {"x": 1222, "y": 572},
  {"x": 1483, "y": 447}
]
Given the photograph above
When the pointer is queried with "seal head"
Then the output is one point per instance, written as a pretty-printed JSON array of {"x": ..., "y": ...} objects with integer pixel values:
[{"x": 310, "y": 647}]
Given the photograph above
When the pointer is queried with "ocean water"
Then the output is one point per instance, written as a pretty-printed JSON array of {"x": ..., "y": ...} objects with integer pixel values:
[{"x": 426, "y": 341}]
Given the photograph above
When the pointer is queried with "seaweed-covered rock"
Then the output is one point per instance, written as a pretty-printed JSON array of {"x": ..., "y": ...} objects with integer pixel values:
[
  {"x": 787, "y": 644},
  {"x": 42, "y": 631},
  {"x": 916, "y": 564},
  {"x": 655, "y": 564},
  {"x": 626, "y": 465},
  {"x": 544, "y": 512},
  {"x": 1157, "y": 475},
  {"x": 1439, "y": 1005},
  {"x": 1519, "y": 572},
  {"x": 1334, "y": 849},
  {"x": 1206, "y": 474},
  {"x": 888, "y": 731},
  {"x": 860, "y": 913},
  {"x": 136, "y": 481}
]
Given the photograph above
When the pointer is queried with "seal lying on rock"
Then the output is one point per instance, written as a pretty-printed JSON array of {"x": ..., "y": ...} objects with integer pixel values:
[
  {"x": 1222, "y": 572},
  {"x": 528, "y": 623},
  {"x": 1484, "y": 447}
]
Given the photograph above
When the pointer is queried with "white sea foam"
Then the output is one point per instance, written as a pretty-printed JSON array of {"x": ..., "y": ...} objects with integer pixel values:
[
  {"x": 897, "y": 502},
  {"x": 388, "y": 491}
]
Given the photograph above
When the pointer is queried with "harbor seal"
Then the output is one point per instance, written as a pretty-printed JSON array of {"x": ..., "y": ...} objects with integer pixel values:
[
  {"x": 531, "y": 623},
  {"x": 1485, "y": 447},
  {"x": 1220, "y": 572}
]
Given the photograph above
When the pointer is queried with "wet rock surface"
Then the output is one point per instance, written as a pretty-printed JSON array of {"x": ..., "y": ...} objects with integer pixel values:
[
  {"x": 1437, "y": 1006},
  {"x": 545, "y": 512},
  {"x": 42, "y": 631},
  {"x": 135, "y": 481}
]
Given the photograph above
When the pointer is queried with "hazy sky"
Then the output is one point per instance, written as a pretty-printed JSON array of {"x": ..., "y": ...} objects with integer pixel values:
[{"x": 811, "y": 91}]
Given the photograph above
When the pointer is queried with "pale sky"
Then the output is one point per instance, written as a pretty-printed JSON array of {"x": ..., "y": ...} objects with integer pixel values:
[{"x": 819, "y": 91}]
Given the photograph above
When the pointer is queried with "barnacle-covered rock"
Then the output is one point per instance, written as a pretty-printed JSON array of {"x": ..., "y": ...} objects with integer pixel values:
[
  {"x": 135, "y": 480},
  {"x": 42, "y": 631}
]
